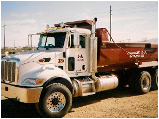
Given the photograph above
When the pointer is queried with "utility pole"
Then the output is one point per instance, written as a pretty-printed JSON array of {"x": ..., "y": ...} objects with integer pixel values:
[
  {"x": 110, "y": 22},
  {"x": 28, "y": 41},
  {"x": 14, "y": 44},
  {"x": 4, "y": 37},
  {"x": 31, "y": 40}
]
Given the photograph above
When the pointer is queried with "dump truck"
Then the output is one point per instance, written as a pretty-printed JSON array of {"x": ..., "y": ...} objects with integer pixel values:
[{"x": 76, "y": 59}]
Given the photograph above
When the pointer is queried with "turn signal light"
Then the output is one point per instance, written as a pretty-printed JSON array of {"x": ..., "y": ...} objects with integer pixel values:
[
  {"x": 41, "y": 60},
  {"x": 45, "y": 60},
  {"x": 39, "y": 81}
]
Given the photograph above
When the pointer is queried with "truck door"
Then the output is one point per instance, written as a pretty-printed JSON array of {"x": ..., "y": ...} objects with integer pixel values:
[{"x": 76, "y": 61}]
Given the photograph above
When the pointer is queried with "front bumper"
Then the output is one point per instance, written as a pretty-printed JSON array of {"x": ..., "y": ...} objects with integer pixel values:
[{"x": 26, "y": 95}]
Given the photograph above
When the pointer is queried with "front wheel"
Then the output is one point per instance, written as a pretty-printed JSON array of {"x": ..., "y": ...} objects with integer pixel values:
[{"x": 55, "y": 101}]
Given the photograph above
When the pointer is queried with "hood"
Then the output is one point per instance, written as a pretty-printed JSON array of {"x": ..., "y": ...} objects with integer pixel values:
[{"x": 33, "y": 56}]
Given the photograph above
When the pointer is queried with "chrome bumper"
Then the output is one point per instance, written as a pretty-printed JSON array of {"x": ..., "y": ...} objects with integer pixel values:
[{"x": 26, "y": 95}]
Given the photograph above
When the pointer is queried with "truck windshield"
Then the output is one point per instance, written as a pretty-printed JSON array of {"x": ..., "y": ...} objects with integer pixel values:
[{"x": 52, "y": 40}]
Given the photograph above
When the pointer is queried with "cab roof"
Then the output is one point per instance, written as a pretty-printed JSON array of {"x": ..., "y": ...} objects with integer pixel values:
[{"x": 80, "y": 30}]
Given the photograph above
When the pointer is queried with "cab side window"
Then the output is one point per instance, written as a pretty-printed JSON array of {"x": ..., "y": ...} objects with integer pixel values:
[
  {"x": 71, "y": 42},
  {"x": 82, "y": 41}
]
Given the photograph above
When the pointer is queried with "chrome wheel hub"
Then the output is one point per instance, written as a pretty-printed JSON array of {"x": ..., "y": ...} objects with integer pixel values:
[
  {"x": 56, "y": 102},
  {"x": 145, "y": 83}
]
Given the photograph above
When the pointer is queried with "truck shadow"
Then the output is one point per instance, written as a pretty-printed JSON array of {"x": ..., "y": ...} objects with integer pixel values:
[
  {"x": 21, "y": 110},
  {"x": 114, "y": 93},
  {"x": 10, "y": 110}
]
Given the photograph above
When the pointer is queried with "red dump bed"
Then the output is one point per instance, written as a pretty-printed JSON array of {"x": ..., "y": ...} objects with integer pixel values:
[{"x": 115, "y": 56}]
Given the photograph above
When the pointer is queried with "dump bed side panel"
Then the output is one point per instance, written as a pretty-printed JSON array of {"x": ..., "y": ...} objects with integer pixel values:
[{"x": 116, "y": 56}]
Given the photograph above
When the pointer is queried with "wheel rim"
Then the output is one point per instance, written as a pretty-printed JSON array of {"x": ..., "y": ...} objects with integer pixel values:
[
  {"x": 56, "y": 102},
  {"x": 145, "y": 83}
]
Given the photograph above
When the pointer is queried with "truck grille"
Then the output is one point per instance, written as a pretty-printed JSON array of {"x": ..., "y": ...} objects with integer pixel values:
[{"x": 9, "y": 71}]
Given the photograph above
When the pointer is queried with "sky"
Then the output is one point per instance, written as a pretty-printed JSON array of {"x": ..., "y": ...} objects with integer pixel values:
[{"x": 131, "y": 20}]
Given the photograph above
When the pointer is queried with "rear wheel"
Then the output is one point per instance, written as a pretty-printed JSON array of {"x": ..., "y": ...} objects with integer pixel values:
[
  {"x": 154, "y": 82},
  {"x": 143, "y": 82},
  {"x": 55, "y": 101}
]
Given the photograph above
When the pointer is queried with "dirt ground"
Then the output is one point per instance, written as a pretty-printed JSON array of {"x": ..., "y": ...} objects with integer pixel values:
[{"x": 116, "y": 103}]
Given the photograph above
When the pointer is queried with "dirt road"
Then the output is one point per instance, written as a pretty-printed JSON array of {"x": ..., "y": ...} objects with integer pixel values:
[{"x": 117, "y": 103}]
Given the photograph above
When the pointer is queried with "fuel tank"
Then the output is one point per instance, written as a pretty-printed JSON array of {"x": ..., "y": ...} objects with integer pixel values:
[{"x": 116, "y": 56}]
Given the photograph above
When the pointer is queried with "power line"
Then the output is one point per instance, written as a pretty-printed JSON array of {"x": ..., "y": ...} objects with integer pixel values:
[
  {"x": 107, "y": 12},
  {"x": 143, "y": 6},
  {"x": 135, "y": 12}
]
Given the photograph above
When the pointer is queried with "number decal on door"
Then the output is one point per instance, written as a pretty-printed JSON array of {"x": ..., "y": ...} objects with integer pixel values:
[{"x": 60, "y": 60}]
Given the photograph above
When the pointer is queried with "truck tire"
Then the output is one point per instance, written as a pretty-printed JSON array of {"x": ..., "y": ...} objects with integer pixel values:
[
  {"x": 55, "y": 101},
  {"x": 143, "y": 82},
  {"x": 154, "y": 82}
]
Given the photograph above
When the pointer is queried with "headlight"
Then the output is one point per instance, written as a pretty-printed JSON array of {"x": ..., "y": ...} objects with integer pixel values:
[{"x": 32, "y": 81}]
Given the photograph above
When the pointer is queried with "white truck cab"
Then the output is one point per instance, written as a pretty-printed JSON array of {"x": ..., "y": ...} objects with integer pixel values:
[{"x": 62, "y": 54}]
